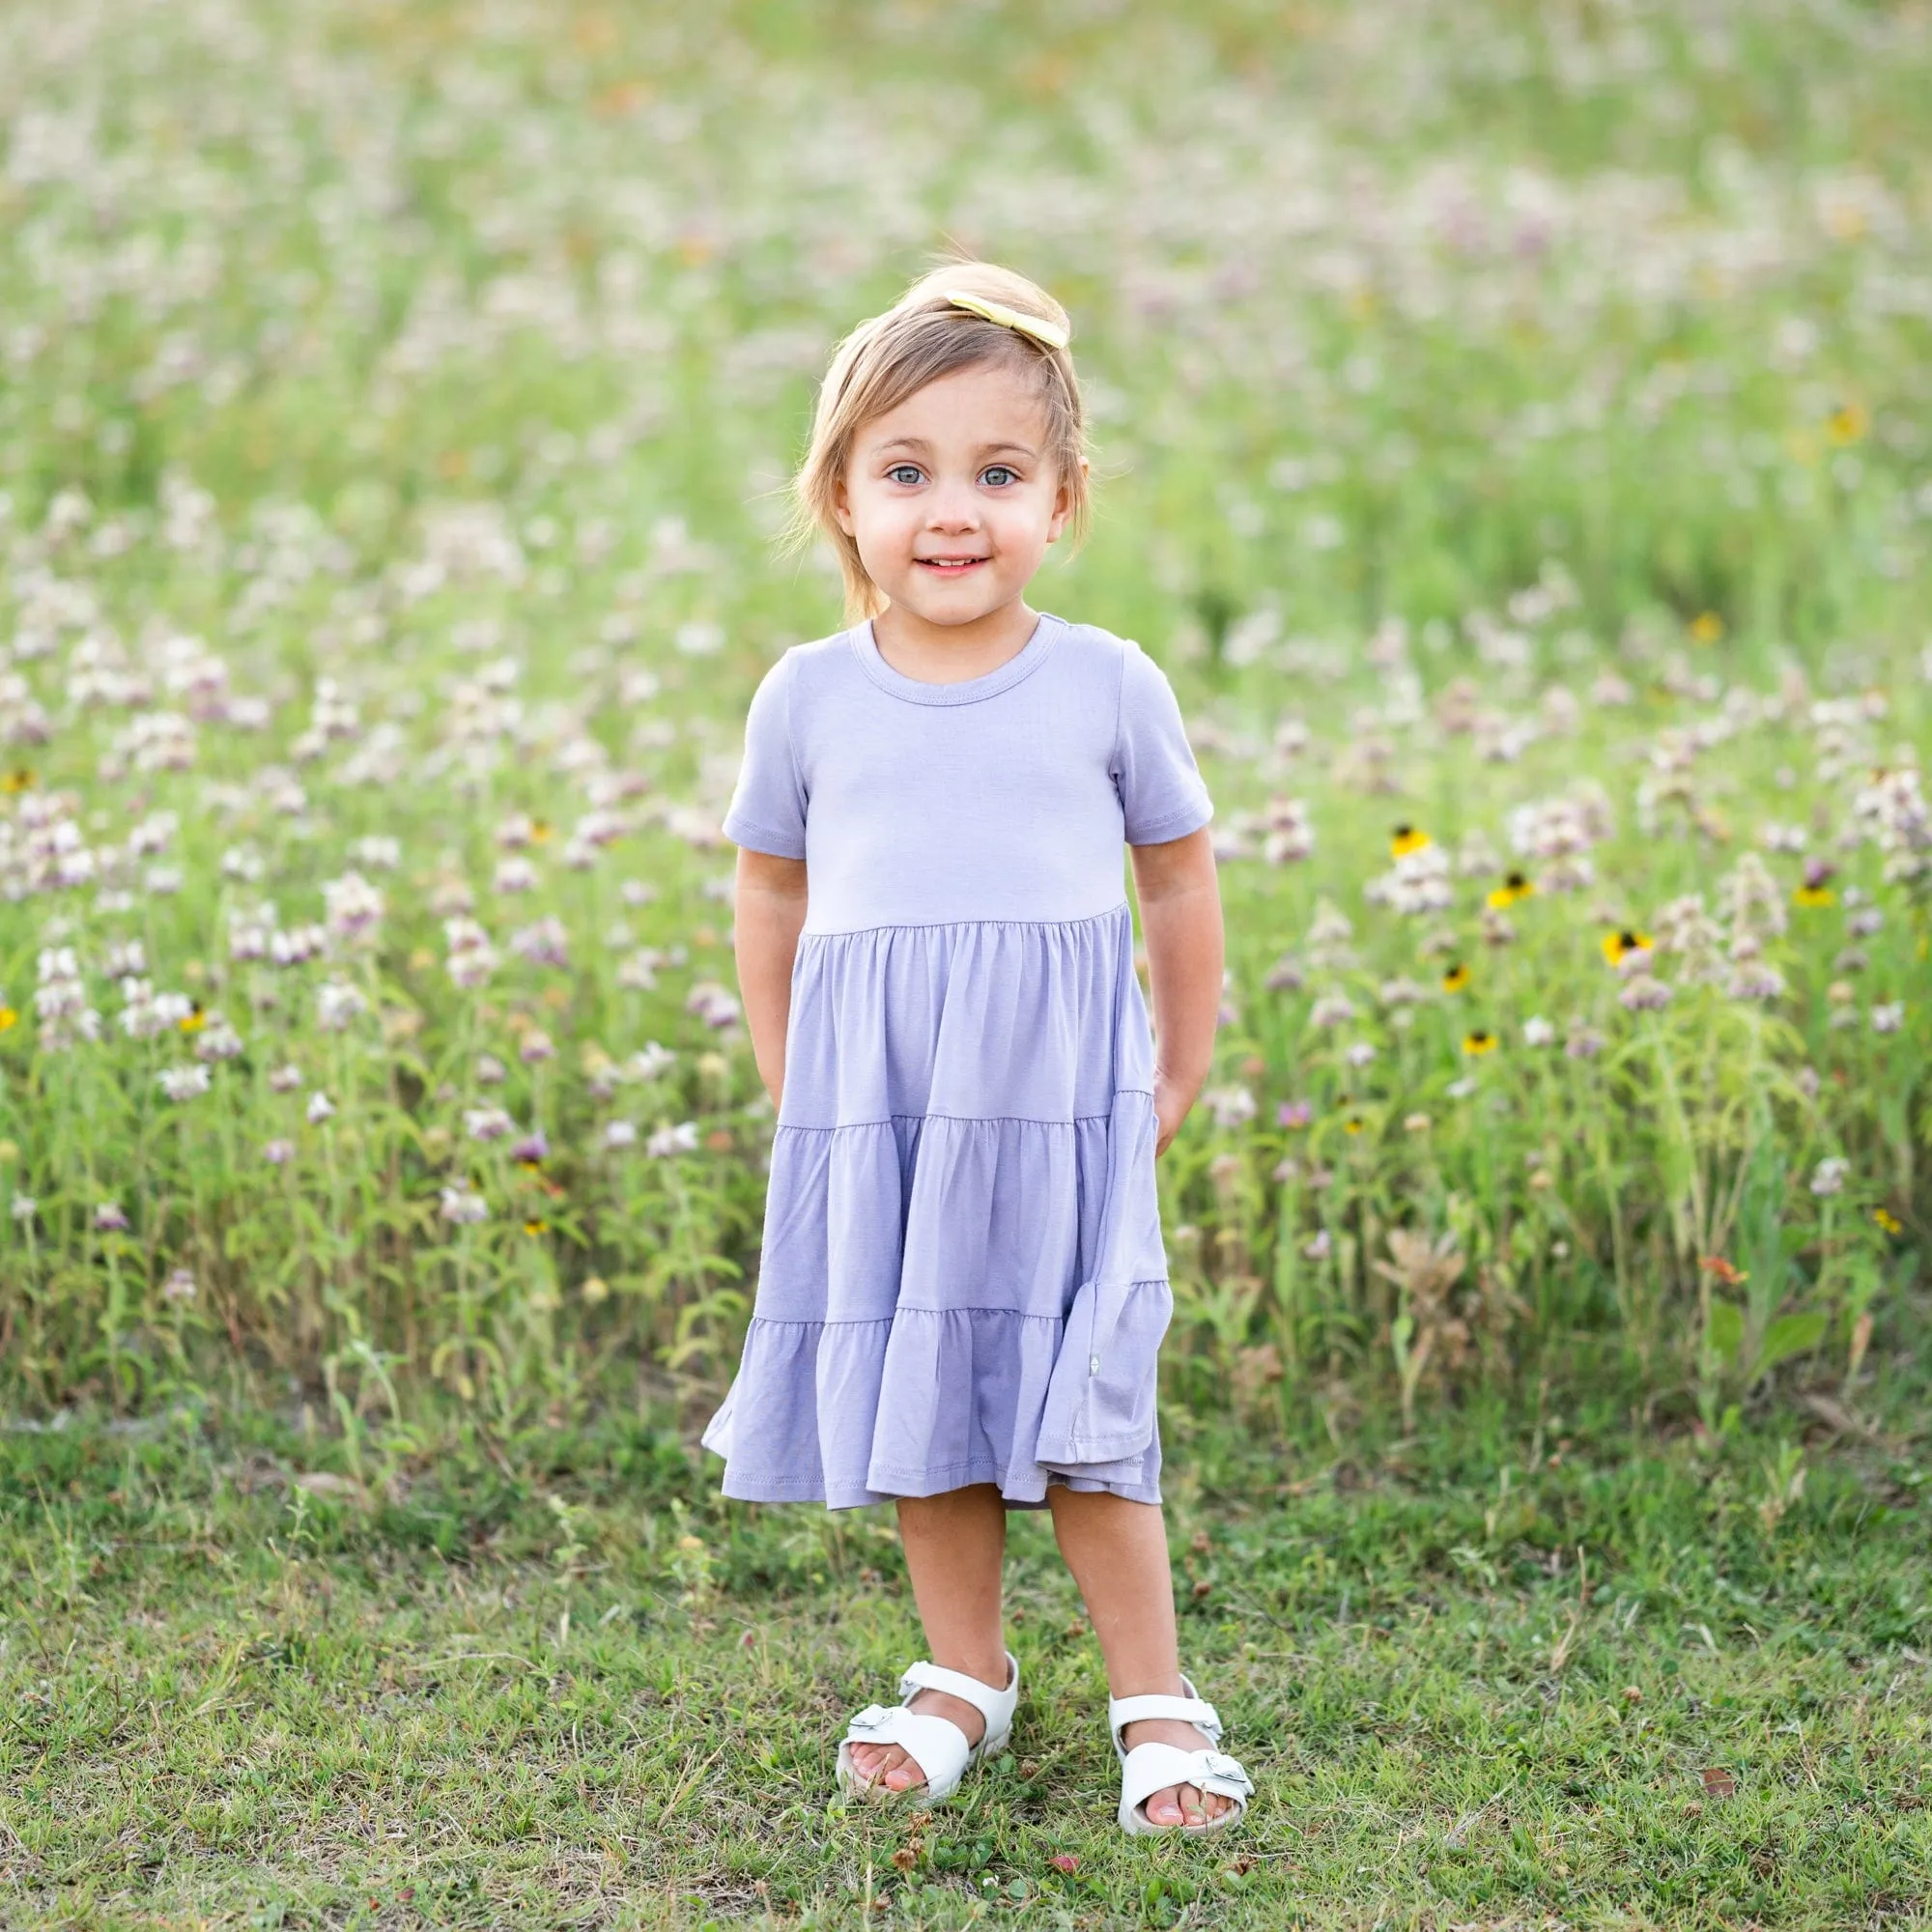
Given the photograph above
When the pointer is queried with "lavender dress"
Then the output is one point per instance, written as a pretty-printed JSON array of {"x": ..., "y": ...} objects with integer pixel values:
[{"x": 962, "y": 1278}]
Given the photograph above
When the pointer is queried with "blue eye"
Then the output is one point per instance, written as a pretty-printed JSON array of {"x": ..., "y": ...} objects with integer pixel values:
[
  {"x": 998, "y": 471},
  {"x": 904, "y": 472}
]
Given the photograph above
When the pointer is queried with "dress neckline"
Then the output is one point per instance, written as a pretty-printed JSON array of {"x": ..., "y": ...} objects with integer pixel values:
[{"x": 1024, "y": 662}]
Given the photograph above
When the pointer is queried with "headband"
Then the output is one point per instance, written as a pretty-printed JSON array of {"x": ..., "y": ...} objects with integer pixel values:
[{"x": 1054, "y": 334}]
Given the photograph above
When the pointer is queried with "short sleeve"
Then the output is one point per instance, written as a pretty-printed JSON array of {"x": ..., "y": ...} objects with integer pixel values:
[
  {"x": 767, "y": 809},
  {"x": 1162, "y": 793}
]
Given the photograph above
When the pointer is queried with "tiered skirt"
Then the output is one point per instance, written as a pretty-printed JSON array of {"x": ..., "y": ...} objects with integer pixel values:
[{"x": 962, "y": 1278}]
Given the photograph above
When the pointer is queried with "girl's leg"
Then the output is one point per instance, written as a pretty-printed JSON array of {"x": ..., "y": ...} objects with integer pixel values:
[
  {"x": 955, "y": 1547},
  {"x": 1116, "y": 1551}
]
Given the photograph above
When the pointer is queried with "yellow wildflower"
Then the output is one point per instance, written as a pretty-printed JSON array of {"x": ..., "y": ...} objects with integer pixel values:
[
  {"x": 1887, "y": 1220},
  {"x": 194, "y": 1021},
  {"x": 1404, "y": 840},
  {"x": 1628, "y": 940},
  {"x": 8, "y": 1017},
  {"x": 1454, "y": 978},
  {"x": 1814, "y": 895},
  {"x": 1515, "y": 887},
  {"x": 1848, "y": 423},
  {"x": 1706, "y": 627},
  {"x": 1478, "y": 1042}
]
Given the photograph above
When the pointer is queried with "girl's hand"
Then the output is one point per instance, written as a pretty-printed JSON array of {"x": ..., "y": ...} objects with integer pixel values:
[{"x": 1171, "y": 1103}]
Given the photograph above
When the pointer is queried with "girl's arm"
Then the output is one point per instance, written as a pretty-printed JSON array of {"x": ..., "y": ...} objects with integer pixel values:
[
  {"x": 769, "y": 915},
  {"x": 1181, "y": 921}
]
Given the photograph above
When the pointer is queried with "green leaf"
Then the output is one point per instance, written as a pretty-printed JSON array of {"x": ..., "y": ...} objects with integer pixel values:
[
  {"x": 1725, "y": 1331},
  {"x": 1789, "y": 1335}
]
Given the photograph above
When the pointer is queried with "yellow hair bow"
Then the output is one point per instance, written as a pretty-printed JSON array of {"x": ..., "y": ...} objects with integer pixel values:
[{"x": 1053, "y": 333}]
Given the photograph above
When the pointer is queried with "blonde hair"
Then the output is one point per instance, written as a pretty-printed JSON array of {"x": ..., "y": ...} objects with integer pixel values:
[{"x": 891, "y": 357}]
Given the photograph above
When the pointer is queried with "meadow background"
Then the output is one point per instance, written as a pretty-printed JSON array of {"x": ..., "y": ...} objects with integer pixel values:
[{"x": 1514, "y": 432}]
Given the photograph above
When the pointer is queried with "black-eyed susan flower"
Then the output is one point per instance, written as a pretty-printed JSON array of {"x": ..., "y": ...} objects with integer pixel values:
[
  {"x": 1454, "y": 977},
  {"x": 1478, "y": 1042},
  {"x": 1887, "y": 1220},
  {"x": 1352, "y": 1125},
  {"x": 1626, "y": 940},
  {"x": 536, "y": 1226},
  {"x": 8, "y": 1018},
  {"x": 194, "y": 1019},
  {"x": 1515, "y": 886},
  {"x": 1706, "y": 627},
  {"x": 19, "y": 779},
  {"x": 540, "y": 831},
  {"x": 1848, "y": 423},
  {"x": 1814, "y": 895},
  {"x": 1406, "y": 839}
]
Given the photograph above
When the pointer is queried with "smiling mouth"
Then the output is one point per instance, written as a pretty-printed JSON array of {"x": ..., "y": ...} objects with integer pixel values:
[{"x": 948, "y": 566}]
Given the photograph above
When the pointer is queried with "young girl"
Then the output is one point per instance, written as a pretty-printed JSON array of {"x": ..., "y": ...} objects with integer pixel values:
[{"x": 963, "y": 1284}]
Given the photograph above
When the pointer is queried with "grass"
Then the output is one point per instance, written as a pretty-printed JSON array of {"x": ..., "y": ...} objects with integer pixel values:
[{"x": 1497, "y": 1674}]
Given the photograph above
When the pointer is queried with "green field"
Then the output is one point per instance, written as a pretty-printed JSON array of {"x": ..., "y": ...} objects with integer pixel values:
[{"x": 1512, "y": 429}]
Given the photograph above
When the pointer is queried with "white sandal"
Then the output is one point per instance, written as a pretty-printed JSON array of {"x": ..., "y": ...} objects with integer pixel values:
[
  {"x": 936, "y": 1745},
  {"x": 1154, "y": 1767}
]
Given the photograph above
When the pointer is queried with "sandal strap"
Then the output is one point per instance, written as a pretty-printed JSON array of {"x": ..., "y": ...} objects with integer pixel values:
[
  {"x": 936, "y": 1745},
  {"x": 996, "y": 1706},
  {"x": 1125, "y": 1711},
  {"x": 1156, "y": 1767}
]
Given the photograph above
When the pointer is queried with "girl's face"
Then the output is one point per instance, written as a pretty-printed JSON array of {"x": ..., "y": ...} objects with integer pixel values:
[{"x": 952, "y": 497}]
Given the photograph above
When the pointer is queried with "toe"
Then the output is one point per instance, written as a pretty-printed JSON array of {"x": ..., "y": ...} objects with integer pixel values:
[
  {"x": 1191, "y": 1812},
  {"x": 1162, "y": 1809}
]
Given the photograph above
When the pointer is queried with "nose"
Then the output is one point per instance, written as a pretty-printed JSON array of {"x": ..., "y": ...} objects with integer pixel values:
[{"x": 952, "y": 508}]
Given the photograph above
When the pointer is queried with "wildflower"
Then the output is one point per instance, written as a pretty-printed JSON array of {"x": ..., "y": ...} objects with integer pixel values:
[
  {"x": 1419, "y": 882},
  {"x": 1454, "y": 977},
  {"x": 184, "y": 1083},
  {"x": 669, "y": 1140},
  {"x": 463, "y": 1207},
  {"x": 536, "y": 1045},
  {"x": 279, "y": 1152},
  {"x": 1887, "y": 1220},
  {"x": 1814, "y": 892},
  {"x": 714, "y": 1004},
  {"x": 1830, "y": 1176},
  {"x": 1706, "y": 627},
  {"x": 1332, "y": 1009},
  {"x": 619, "y": 1134},
  {"x": 1756, "y": 981},
  {"x": 25, "y": 1207},
  {"x": 486, "y": 1123},
  {"x": 1645, "y": 994},
  {"x": 489, "y": 1070},
  {"x": 1537, "y": 1031},
  {"x": 1416, "y": 1123},
  {"x": 1318, "y": 1249},
  {"x": 320, "y": 1108},
  {"x": 354, "y": 907},
  {"x": 1293, "y": 1114},
  {"x": 194, "y": 1019},
  {"x": 1478, "y": 1042},
  {"x": 109, "y": 1219},
  {"x": 649, "y": 1062},
  {"x": 1360, "y": 1053},
  {"x": 1889, "y": 1018},
  {"x": 1620, "y": 945},
  {"x": 1516, "y": 886},
  {"x": 532, "y": 1150},
  {"x": 472, "y": 959},
  {"x": 543, "y": 944},
  {"x": 1847, "y": 423},
  {"x": 179, "y": 1285},
  {"x": 1404, "y": 840},
  {"x": 285, "y": 1079},
  {"x": 1352, "y": 1125},
  {"x": 515, "y": 874},
  {"x": 337, "y": 1002},
  {"x": 1584, "y": 1042},
  {"x": 638, "y": 973},
  {"x": 536, "y": 1226},
  {"x": 1461, "y": 1090},
  {"x": 220, "y": 1041},
  {"x": 1230, "y": 1106}
]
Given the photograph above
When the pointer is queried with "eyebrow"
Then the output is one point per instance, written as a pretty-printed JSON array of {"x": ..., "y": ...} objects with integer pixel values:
[{"x": 920, "y": 442}]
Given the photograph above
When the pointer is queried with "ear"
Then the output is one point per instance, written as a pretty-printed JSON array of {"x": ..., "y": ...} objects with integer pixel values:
[
  {"x": 841, "y": 504},
  {"x": 1063, "y": 505}
]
